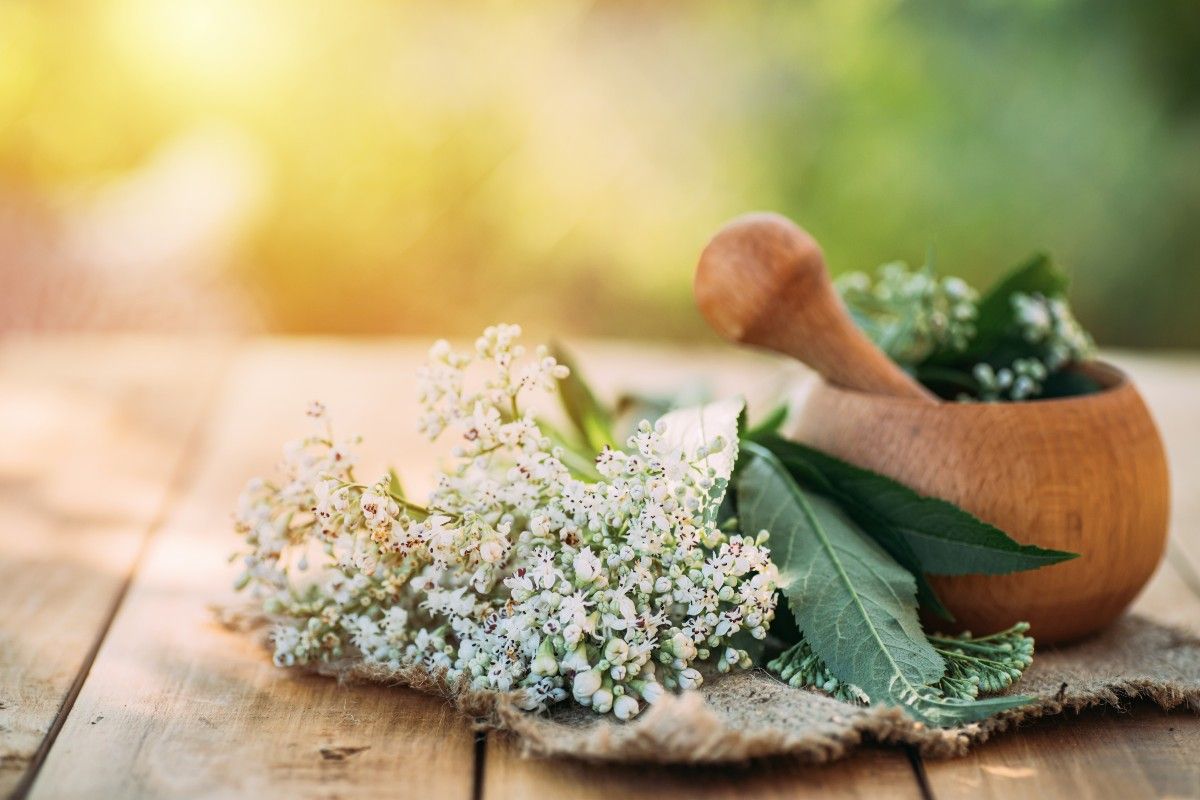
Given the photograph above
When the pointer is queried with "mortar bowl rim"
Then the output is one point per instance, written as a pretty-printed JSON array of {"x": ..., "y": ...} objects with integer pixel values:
[{"x": 1112, "y": 381}]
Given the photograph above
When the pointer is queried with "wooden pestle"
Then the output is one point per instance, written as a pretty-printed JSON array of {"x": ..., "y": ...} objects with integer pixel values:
[{"x": 762, "y": 281}]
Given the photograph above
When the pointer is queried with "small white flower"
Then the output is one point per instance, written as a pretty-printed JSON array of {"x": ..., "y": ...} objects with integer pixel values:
[
  {"x": 586, "y": 565},
  {"x": 493, "y": 550},
  {"x": 378, "y": 509}
]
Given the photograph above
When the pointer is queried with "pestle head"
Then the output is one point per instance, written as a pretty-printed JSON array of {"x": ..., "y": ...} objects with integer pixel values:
[{"x": 762, "y": 281}]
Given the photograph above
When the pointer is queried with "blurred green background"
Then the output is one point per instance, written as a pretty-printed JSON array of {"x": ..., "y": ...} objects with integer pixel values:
[{"x": 430, "y": 167}]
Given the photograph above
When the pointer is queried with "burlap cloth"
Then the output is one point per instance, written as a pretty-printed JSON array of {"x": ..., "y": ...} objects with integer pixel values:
[{"x": 752, "y": 714}]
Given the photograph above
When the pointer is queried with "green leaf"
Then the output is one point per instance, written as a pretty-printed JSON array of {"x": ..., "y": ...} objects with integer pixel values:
[
  {"x": 1068, "y": 383},
  {"x": 888, "y": 538},
  {"x": 944, "y": 539},
  {"x": 1036, "y": 275},
  {"x": 771, "y": 423},
  {"x": 577, "y": 457},
  {"x": 591, "y": 420},
  {"x": 854, "y": 604},
  {"x": 394, "y": 484}
]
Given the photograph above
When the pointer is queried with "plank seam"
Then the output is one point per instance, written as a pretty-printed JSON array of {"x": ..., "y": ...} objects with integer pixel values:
[
  {"x": 480, "y": 758},
  {"x": 183, "y": 471},
  {"x": 918, "y": 768}
]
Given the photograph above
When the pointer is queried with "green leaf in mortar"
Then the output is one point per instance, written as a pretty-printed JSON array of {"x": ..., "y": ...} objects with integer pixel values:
[{"x": 1038, "y": 275}]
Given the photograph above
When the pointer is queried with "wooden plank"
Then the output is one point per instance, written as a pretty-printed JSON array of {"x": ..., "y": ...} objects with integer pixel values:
[
  {"x": 871, "y": 773},
  {"x": 176, "y": 706},
  {"x": 1142, "y": 752},
  {"x": 93, "y": 431}
]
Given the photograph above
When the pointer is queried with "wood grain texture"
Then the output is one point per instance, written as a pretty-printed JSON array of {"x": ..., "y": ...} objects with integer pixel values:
[
  {"x": 872, "y": 773},
  {"x": 176, "y": 706},
  {"x": 1083, "y": 474},
  {"x": 1141, "y": 752},
  {"x": 762, "y": 281},
  {"x": 93, "y": 432}
]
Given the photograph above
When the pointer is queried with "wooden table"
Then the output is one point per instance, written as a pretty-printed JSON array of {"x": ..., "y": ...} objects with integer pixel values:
[{"x": 120, "y": 459}]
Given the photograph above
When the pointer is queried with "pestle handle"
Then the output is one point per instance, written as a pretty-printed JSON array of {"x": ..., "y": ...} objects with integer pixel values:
[{"x": 762, "y": 281}]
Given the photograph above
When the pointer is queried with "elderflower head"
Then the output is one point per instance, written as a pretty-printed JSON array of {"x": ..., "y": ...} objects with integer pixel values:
[
  {"x": 1049, "y": 323},
  {"x": 911, "y": 313},
  {"x": 517, "y": 575}
]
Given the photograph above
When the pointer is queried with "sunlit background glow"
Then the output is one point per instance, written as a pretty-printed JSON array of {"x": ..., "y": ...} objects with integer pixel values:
[{"x": 367, "y": 167}]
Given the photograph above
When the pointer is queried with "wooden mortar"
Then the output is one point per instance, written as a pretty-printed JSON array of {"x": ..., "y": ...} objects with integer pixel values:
[{"x": 1086, "y": 474}]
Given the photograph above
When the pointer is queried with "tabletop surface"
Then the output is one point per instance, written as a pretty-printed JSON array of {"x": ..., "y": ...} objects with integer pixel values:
[{"x": 120, "y": 461}]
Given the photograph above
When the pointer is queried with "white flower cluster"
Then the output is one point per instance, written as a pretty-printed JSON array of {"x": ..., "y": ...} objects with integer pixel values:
[
  {"x": 1019, "y": 381},
  {"x": 912, "y": 313},
  {"x": 516, "y": 575},
  {"x": 1047, "y": 324}
]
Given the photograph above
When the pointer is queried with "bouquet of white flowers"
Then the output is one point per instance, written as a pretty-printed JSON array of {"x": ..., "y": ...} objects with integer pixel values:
[{"x": 609, "y": 583}]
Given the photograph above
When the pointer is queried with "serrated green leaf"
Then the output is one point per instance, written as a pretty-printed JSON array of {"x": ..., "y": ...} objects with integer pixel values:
[
  {"x": 854, "y": 604},
  {"x": 889, "y": 539},
  {"x": 944, "y": 539},
  {"x": 591, "y": 420}
]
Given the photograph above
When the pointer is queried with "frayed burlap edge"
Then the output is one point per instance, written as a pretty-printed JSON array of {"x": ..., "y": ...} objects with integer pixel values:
[{"x": 752, "y": 715}]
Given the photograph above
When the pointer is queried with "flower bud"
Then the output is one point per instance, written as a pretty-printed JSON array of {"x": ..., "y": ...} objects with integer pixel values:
[
  {"x": 545, "y": 663},
  {"x": 602, "y": 701},
  {"x": 586, "y": 684},
  {"x": 690, "y": 678},
  {"x": 651, "y": 691},
  {"x": 625, "y": 707},
  {"x": 586, "y": 565},
  {"x": 616, "y": 651},
  {"x": 577, "y": 660}
]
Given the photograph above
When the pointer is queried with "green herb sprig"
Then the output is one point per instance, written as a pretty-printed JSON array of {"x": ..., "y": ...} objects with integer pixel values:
[{"x": 1020, "y": 341}]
